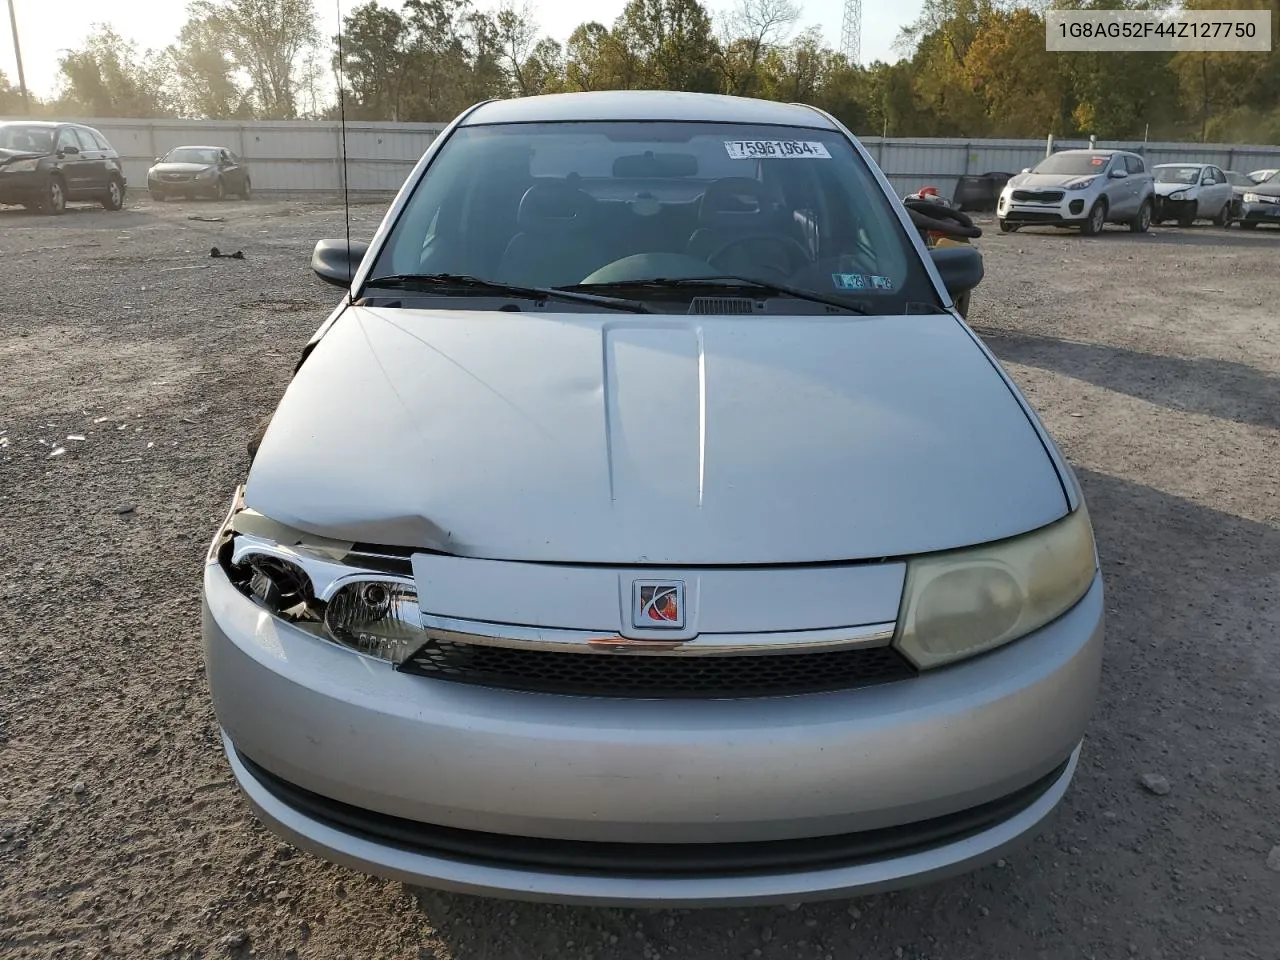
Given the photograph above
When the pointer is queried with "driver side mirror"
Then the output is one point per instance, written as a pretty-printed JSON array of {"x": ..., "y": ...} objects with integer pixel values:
[
  {"x": 68, "y": 151},
  {"x": 960, "y": 268},
  {"x": 1118, "y": 174},
  {"x": 1026, "y": 169},
  {"x": 336, "y": 261}
]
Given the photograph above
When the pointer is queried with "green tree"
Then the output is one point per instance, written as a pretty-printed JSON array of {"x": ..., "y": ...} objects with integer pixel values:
[
  {"x": 749, "y": 32},
  {"x": 268, "y": 39},
  {"x": 375, "y": 64},
  {"x": 107, "y": 77},
  {"x": 204, "y": 78},
  {"x": 597, "y": 59},
  {"x": 672, "y": 42}
]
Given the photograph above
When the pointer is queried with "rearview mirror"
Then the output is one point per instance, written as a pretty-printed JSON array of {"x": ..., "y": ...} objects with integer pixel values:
[
  {"x": 1118, "y": 174},
  {"x": 336, "y": 261},
  {"x": 960, "y": 268}
]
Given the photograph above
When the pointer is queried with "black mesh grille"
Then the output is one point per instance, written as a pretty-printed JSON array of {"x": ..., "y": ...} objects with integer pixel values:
[
  {"x": 603, "y": 674},
  {"x": 1038, "y": 196}
]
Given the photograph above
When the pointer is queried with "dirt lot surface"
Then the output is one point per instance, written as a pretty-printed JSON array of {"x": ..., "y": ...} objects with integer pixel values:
[{"x": 1155, "y": 361}]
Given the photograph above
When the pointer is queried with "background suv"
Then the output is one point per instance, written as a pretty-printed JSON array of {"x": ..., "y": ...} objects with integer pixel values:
[
  {"x": 45, "y": 165},
  {"x": 1080, "y": 188}
]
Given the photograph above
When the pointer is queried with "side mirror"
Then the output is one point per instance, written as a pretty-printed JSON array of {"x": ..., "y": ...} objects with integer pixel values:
[
  {"x": 68, "y": 151},
  {"x": 1026, "y": 169},
  {"x": 960, "y": 268},
  {"x": 1206, "y": 181},
  {"x": 1118, "y": 174},
  {"x": 336, "y": 261},
  {"x": 159, "y": 159}
]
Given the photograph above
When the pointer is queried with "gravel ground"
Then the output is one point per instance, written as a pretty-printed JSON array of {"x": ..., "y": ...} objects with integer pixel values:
[{"x": 1155, "y": 361}]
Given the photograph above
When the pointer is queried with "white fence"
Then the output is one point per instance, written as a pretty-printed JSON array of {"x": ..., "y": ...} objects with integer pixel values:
[{"x": 305, "y": 156}]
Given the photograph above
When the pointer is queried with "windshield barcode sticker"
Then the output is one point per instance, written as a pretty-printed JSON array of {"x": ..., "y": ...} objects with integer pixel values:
[{"x": 777, "y": 149}]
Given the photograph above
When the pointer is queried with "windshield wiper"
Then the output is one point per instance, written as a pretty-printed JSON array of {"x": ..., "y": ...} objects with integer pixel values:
[
  {"x": 460, "y": 283},
  {"x": 724, "y": 282}
]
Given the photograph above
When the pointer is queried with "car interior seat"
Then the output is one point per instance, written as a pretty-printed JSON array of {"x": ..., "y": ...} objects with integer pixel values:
[{"x": 556, "y": 244}]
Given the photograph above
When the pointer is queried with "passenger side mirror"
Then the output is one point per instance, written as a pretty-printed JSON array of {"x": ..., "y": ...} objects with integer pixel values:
[
  {"x": 1119, "y": 174},
  {"x": 68, "y": 151},
  {"x": 960, "y": 268},
  {"x": 1026, "y": 169},
  {"x": 336, "y": 261}
]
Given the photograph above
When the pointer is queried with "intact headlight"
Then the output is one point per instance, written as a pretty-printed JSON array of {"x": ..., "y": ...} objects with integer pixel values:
[
  {"x": 964, "y": 602},
  {"x": 316, "y": 586},
  {"x": 22, "y": 166},
  {"x": 1081, "y": 184},
  {"x": 1178, "y": 195}
]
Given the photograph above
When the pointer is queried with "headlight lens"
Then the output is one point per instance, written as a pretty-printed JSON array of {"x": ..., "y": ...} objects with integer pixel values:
[
  {"x": 1081, "y": 184},
  {"x": 964, "y": 602},
  {"x": 22, "y": 166},
  {"x": 375, "y": 614},
  {"x": 1178, "y": 195},
  {"x": 379, "y": 618}
]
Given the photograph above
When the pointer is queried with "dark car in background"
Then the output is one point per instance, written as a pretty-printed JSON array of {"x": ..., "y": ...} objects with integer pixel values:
[
  {"x": 212, "y": 172},
  {"x": 45, "y": 165},
  {"x": 1261, "y": 203}
]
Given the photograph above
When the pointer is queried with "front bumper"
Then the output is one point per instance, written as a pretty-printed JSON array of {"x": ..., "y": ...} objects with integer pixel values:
[
  {"x": 1071, "y": 210},
  {"x": 1260, "y": 212},
  {"x": 341, "y": 755},
  {"x": 1167, "y": 209},
  {"x": 21, "y": 187}
]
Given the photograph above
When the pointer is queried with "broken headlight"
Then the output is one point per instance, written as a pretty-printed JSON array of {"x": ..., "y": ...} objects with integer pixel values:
[{"x": 320, "y": 587}]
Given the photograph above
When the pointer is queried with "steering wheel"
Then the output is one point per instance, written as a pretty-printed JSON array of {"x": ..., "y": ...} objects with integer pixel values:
[{"x": 772, "y": 237}]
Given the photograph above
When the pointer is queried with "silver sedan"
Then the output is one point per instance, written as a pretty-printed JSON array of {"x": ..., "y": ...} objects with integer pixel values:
[{"x": 646, "y": 527}]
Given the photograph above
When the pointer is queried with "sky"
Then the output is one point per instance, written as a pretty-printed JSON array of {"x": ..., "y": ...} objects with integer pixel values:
[{"x": 153, "y": 24}]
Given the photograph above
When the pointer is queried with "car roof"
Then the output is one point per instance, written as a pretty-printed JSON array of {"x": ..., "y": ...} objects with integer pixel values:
[
  {"x": 195, "y": 146},
  {"x": 33, "y": 123},
  {"x": 1185, "y": 163},
  {"x": 646, "y": 105}
]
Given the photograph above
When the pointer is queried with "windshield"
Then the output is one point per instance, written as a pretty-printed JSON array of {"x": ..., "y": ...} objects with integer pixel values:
[
  {"x": 1181, "y": 174},
  {"x": 561, "y": 204},
  {"x": 1237, "y": 179},
  {"x": 1274, "y": 178},
  {"x": 16, "y": 136},
  {"x": 191, "y": 155},
  {"x": 1073, "y": 164}
]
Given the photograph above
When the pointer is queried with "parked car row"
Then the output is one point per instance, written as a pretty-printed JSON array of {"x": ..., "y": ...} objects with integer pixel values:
[
  {"x": 45, "y": 165},
  {"x": 1089, "y": 188}
]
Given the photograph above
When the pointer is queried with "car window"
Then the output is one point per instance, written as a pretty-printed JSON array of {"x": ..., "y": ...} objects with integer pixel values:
[
  {"x": 86, "y": 141},
  {"x": 1073, "y": 164},
  {"x": 67, "y": 138},
  {"x": 1180, "y": 173},
  {"x": 553, "y": 204},
  {"x": 98, "y": 138},
  {"x": 191, "y": 155},
  {"x": 1134, "y": 164},
  {"x": 26, "y": 138}
]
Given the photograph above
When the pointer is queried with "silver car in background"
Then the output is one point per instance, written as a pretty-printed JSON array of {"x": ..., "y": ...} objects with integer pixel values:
[
  {"x": 647, "y": 527},
  {"x": 1187, "y": 192},
  {"x": 1080, "y": 188}
]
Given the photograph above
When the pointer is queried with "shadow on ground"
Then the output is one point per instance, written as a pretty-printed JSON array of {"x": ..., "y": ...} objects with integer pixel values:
[{"x": 1217, "y": 388}]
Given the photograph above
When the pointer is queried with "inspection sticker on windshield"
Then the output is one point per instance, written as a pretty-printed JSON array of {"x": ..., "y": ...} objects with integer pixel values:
[
  {"x": 777, "y": 149},
  {"x": 849, "y": 281}
]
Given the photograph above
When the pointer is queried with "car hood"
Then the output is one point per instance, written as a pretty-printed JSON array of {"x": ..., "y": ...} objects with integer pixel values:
[
  {"x": 6, "y": 155},
  {"x": 653, "y": 440},
  {"x": 1164, "y": 189},
  {"x": 181, "y": 167},
  {"x": 1037, "y": 181},
  {"x": 1266, "y": 189}
]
